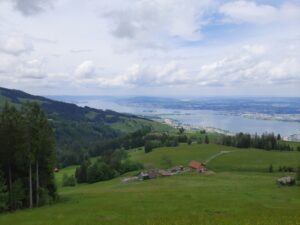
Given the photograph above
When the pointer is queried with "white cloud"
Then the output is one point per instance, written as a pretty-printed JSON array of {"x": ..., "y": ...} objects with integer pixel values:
[
  {"x": 86, "y": 69},
  {"x": 252, "y": 12},
  {"x": 149, "y": 45},
  {"x": 252, "y": 65},
  {"x": 31, "y": 7},
  {"x": 151, "y": 23},
  {"x": 15, "y": 46},
  {"x": 31, "y": 69},
  {"x": 149, "y": 75}
]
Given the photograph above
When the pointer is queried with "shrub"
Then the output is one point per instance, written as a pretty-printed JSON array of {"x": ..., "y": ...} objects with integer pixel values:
[
  {"x": 17, "y": 194},
  {"x": 148, "y": 147},
  {"x": 3, "y": 195},
  {"x": 100, "y": 171},
  {"x": 271, "y": 169},
  {"x": 68, "y": 181},
  {"x": 128, "y": 166},
  {"x": 45, "y": 199},
  {"x": 81, "y": 172},
  {"x": 298, "y": 174},
  {"x": 206, "y": 140},
  {"x": 199, "y": 140}
]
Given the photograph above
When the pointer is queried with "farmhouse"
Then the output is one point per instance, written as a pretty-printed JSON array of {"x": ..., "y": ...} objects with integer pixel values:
[{"x": 197, "y": 166}]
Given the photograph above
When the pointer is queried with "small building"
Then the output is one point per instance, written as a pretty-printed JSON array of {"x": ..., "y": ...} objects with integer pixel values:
[
  {"x": 154, "y": 173},
  {"x": 286, "y": 181},
  {"x": 197, "y": 166},
  {"x": 143, "y": 176},
  {"x": 165, "y": 173},
  {"x": 176, "y": 169}
]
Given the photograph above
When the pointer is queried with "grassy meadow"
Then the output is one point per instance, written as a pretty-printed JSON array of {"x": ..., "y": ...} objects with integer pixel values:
[{"x": 240, "y": 191}]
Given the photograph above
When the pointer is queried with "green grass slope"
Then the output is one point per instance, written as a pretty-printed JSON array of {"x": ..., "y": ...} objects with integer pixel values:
[
  {"x": 233, "y": 159},
  {"x": 238, "y": 193}
]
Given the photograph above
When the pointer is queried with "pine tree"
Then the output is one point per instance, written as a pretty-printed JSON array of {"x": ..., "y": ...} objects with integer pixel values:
[
  {"x": 271, "y": 170},
  {"x": 27, "y": 143},
  {"x": 206, "y": 140},
  {"x": 40, "y": 149},
  {"x": 10, "y": 141}
]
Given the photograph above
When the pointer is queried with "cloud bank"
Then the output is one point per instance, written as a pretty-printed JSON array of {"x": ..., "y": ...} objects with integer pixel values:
[{"x": 141, "y": 45}]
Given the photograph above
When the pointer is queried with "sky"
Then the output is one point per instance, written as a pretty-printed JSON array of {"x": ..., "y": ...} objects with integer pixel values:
[{"x": 151, "y": 47}]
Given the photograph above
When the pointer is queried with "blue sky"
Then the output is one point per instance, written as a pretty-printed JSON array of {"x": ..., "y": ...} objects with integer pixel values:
[{"x": 157, "y": 47}]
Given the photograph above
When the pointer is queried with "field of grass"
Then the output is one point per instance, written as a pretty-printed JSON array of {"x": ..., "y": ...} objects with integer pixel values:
[
  {"x": 239, "y": 192},
  {"x": 234, "y": 160},
  {"x": 127, "y": 125}
]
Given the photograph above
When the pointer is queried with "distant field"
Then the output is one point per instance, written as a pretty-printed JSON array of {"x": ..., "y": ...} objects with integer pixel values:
[
  {"x": 239, "y": 192},
  {"x": 235, "y": 160},
  {"x": 128, "y": 125}
]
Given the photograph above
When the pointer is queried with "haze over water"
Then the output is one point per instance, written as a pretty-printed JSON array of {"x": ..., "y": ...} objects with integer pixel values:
[{"x": 224, "y": 120}]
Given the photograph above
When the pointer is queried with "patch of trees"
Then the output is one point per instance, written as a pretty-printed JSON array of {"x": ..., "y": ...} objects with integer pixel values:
[
  {"x": 27, "y": 158},
  {"x": 110, "y": 164},
  {"x": 265, "y": 141},
  {"x": 68, "y": 180},
  {"x": 128, "y": 141},
  {"x": 76, "y": 138},
  {"x": 156, "y": 140},
  {"x": 288, "y": 169}
]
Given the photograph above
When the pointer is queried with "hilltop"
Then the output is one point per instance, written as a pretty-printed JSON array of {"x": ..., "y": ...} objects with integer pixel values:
[{"x": 78, "y": 128}]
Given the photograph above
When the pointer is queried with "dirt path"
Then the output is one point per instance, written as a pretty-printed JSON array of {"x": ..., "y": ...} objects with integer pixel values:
[{"x": 216, "y": 155}]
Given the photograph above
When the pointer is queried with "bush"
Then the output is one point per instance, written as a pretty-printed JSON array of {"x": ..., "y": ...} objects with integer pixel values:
[
  {"x": 271, "y": 169},
  {"x": 81, "y": 172},
  {"x": 100, "y": 171},
  {"x": 298, "y": 174},
  {"x": 3, "y": 195},
  {"x": 206, "y": 140},
  {"x": 17, "y": 194},
  {"x": 68, "y": 181},
  {"x": 45, "y": 199},
  {"x": 286, "y": 169},
  {"x": 182, "y": 138},
  {"x": 128, "y": 166},
  {"x": 148, "y": 147},
  {"x": 199, "y": 140}
]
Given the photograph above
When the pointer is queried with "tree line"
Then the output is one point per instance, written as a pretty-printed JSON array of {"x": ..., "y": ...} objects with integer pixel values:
[
  {"x": 108, "y": 165},
  {"x": 266, "y": 141},
  {"x": 27, "y": 158}
]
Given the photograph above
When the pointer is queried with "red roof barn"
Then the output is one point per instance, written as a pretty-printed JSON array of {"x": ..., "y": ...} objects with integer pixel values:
[{"x": 197, "y": 166}]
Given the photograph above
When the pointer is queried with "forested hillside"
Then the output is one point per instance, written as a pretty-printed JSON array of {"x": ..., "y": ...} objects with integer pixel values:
[{"x": 78, "y": 129}]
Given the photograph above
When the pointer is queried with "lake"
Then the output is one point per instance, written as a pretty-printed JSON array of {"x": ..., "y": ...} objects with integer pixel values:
[{"x": 223, "y": 120}]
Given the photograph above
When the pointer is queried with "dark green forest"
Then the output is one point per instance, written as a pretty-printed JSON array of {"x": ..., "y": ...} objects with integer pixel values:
[
  {"x": 27, "y": 158},
  {"x": 78, "y": 130}
]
